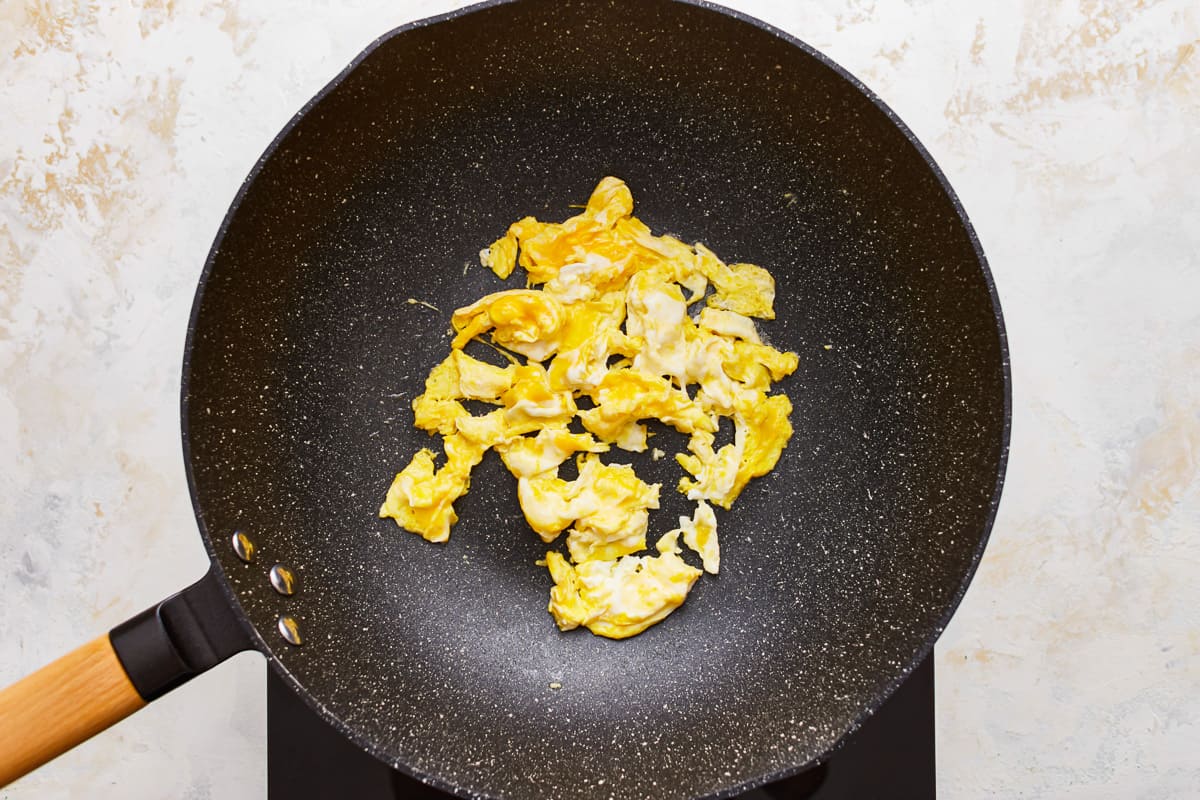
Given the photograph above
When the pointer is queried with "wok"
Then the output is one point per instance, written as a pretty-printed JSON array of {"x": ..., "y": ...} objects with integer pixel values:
[{"x": 303, "y": 354}]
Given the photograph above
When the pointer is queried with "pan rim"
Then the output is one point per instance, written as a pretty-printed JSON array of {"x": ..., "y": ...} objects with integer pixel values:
[{"x": 368, "y": 744}]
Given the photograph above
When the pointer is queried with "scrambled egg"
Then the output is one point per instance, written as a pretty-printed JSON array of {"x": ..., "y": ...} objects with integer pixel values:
[{"x": 612, "y": 322}]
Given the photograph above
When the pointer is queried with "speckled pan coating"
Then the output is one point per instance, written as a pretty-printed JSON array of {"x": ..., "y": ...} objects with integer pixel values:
[{"x": 839, "y": 569}]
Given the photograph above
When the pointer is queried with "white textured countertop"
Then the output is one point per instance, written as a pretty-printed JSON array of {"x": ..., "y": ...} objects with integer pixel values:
[{"x": 1071, "y": 132}]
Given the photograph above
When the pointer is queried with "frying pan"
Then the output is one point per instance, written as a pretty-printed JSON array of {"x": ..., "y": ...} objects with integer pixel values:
[{"x": 840, "y": 568}]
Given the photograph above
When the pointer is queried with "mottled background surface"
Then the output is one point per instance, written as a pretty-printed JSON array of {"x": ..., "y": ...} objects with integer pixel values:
[{"x": 1070, "y": 131}]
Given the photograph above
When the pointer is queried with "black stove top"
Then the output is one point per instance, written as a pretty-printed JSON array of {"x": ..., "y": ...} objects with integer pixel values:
[{"x": 891, "y": 756}]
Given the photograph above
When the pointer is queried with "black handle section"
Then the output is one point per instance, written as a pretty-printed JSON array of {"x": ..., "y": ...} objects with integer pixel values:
[{"x": 190, "y": 632}]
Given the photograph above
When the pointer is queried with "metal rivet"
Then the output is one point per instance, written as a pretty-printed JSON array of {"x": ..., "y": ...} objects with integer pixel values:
[
  {"x": 283, "y": 579},
  {"x": 243, "y": 546},
  {"x": 289, "y": 629}
]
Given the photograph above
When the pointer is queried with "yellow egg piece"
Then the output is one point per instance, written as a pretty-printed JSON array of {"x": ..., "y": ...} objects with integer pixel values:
[
  {"x": 744, "y": 288},
  {"x": 607, "y": 504},
  {"x": 618, "y": 598},
  {"x": 528, "y": 457},
  {"x": 532, "y": 403},
  {"x": 522, "y": 320},
  {"x": 700, "y": 534},
  {"x": 421, "y": 498},
  {"x": 625, "y": 396}
]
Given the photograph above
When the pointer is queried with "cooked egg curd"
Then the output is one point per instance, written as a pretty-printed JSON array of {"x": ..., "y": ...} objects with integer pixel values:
[{"x": 611, "y": 320}]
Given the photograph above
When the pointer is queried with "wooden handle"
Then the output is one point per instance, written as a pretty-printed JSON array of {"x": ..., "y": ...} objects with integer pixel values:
[{"x": 61, "y": 705}]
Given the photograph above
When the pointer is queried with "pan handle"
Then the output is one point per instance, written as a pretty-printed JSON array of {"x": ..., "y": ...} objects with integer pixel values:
[{"x": 92, "y": 688}]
